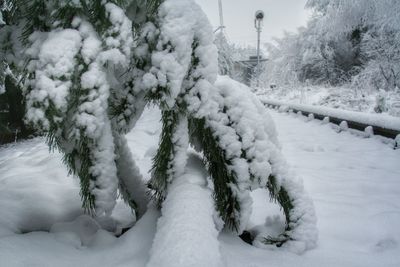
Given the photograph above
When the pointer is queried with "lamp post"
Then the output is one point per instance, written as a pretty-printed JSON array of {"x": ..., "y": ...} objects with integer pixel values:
[{"x": 259, "y": 16}]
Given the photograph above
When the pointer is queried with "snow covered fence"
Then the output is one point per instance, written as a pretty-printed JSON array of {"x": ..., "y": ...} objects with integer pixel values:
[{"x": 382, "y": 125}]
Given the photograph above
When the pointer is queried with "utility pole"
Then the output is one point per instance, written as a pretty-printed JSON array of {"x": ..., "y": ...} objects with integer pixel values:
[
  {"x": 221, "y": 15},
  {"x": 258, "y": 25},
  {"x": 221, "y": 18}
]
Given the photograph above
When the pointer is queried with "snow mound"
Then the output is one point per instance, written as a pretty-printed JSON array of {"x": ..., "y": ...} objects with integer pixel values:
[
  {"x": 86, "y": 229},
  {"x": 186, "y": 233},
  {"x": 33, "y": 186}
]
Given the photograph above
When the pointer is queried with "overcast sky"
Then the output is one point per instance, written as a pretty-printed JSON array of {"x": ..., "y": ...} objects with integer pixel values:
[{"x": 239, "y": 17}]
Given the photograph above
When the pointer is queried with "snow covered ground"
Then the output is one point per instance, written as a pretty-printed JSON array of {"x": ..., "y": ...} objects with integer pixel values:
[{"x": 355, "y": 184}]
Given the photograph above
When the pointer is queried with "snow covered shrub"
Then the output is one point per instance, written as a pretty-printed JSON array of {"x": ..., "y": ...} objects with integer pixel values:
[
  {"x": 93, "y": 66},
  {"x": 81, "y": 90},
  {"x": 381, "y": 105},
  {"x": 223, "y": 121}
]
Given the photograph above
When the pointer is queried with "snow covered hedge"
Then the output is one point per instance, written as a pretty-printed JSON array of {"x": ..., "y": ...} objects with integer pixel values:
[{"x": 92, "y": 68}]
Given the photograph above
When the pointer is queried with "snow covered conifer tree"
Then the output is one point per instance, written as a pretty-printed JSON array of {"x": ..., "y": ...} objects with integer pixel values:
[
  {"x": 81, "y": 92},
  {"x": 225, "y": 122},
  {"x": 93, "y": 66}
]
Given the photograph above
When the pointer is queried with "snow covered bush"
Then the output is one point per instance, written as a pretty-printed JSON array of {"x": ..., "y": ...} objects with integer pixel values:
[
  {"x": 223, "y": 121},
  {"x": 381, "y": 105},
  {"x": 79, "y": 88},
  {"x": 92, "y": 68}
]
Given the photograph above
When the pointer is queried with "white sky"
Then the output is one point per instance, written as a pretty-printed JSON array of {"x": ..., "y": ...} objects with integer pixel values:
[{"x": 239, "y": 17}]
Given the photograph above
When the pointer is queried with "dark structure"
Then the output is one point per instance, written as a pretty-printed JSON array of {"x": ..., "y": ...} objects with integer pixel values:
[
  {"x": 12, "y": 112},
  {"x": 248, "y": 68}
]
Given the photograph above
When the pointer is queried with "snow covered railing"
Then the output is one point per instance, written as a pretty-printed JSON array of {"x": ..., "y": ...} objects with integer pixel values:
[{"x": 371, "y": 124}]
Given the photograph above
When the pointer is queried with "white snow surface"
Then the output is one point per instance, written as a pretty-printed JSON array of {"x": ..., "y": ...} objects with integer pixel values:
[
  {"x": 186, "y": 233},
  {"x": 354, "y": 183}
]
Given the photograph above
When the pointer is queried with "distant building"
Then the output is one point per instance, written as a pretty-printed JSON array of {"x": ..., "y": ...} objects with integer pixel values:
[{"x": 246, "y": 69}]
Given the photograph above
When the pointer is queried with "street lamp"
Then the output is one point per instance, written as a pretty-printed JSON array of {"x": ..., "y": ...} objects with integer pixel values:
[{"x": 259, "y": 16}]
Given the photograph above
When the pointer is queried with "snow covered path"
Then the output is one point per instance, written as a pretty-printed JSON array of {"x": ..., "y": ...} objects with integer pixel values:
[{"x": 355, "y": 184}]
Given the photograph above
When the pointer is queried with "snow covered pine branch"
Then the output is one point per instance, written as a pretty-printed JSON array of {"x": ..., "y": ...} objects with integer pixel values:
[
  {"x": 93, "y": 67},
  {"x": 227, "y": 124},
  {"x": 75, "y": 78}
]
